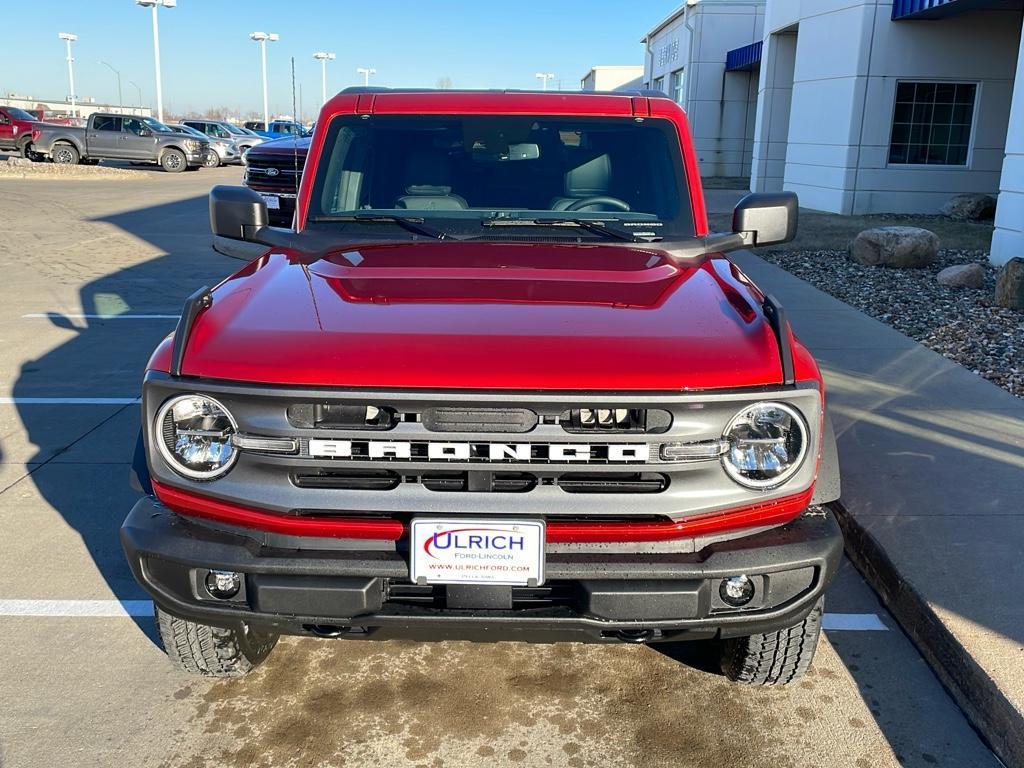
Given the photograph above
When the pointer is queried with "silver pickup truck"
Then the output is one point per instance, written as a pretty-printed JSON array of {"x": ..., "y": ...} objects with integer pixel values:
[{"x": 120, "y": 137}]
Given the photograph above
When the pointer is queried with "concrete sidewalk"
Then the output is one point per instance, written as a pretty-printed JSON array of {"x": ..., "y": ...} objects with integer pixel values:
[{"x": 933, "y": 497}]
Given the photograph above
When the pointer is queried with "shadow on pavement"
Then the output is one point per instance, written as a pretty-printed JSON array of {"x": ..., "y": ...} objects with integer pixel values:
[{"x": 83, "y": 472}]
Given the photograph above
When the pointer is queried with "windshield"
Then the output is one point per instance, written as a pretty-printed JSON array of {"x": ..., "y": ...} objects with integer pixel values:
[
  {"x": 465, "y": 174},
  {"x": 19, "y": 114},
  {"x": 156, "y": 126},
  {"x": 234, "y": 129},
  {"x": 189, "y": 130}
]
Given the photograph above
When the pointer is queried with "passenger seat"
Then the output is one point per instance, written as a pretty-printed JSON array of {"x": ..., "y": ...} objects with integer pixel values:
[{"x": 428, "y": 184}]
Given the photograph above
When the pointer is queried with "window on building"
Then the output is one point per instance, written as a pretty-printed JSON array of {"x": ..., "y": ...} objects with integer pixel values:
[
  {"x": 677, "y": 84},
  {"x": 932, "y": 123},
  {"x": 659, "y": 84}
]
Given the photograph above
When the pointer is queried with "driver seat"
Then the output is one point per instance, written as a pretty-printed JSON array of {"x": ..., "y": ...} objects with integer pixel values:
[
  {"x": 429, "y": 184},
  {"x": 592, "y": 178}
]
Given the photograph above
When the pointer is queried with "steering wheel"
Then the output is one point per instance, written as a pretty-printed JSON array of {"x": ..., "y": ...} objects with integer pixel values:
[{"x": 612, "y": 202}]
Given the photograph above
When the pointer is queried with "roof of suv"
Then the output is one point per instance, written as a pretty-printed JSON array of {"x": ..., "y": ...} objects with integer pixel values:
[{"x": 647, "y": 93}]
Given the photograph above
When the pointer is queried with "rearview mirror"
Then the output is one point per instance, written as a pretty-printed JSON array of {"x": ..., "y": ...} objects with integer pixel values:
[{"x": 766, "y": 218}]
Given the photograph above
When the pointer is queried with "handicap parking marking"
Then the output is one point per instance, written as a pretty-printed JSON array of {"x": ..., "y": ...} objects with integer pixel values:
[
  {"x": 70, "y": 400},
  {"x": 128, "y": 608},
  {"x": 86, "y": 316},
  {"x": 855, "y": 622}
]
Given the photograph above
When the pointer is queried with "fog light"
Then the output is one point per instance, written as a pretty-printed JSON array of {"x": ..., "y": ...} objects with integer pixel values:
[
  {"x": 223, "y": 584},
  {"x": 736, "y": 590}
]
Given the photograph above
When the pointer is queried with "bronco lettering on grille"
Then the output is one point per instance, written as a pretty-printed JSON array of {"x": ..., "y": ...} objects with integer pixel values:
[{"x": 390, "y": 450}]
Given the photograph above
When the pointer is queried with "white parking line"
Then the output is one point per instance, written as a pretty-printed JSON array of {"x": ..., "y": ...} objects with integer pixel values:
[
  {"x": 125, "y": 608},
  {"x": 101, "y": 608},
  {"x": 858, "y": 622},
  {"x": 48, "y": 315},
  {"x": 69, "y": 400}
]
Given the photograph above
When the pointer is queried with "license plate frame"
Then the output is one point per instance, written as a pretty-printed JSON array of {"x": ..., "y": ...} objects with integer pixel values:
[{"x": 442, "y": 551}]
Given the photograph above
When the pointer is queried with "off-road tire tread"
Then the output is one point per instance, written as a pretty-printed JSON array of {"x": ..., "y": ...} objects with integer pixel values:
[
  {"x": 777, "y": 658},
  {"x": 200, "y": 649}
]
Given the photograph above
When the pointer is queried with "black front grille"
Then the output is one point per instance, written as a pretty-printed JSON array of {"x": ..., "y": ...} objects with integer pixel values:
[
  {"x": 349, "y": 480},
  {"x": 488, "y": 482},
  {"x": 479, "y": 419},
  {"x": 613, "y": 482},
  {"x": 617, "y": 420},
  {"x": 523, "y": 598},
  {"x": 275, "y": 174},
  {"x": 330, "y": 416}
]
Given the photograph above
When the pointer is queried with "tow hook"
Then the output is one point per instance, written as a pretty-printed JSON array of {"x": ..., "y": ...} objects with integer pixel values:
[
  {"x": 638, "y": 636},
  {"x": 326, "y": 630}
]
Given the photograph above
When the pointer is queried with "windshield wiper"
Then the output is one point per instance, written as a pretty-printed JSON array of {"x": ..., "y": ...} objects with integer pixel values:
[
  {"x": 414, "y": 225},
  {"x": 596, "y": 227}
]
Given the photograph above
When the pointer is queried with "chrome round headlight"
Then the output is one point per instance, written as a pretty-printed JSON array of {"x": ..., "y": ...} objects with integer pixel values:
[
  {"x": 193, "y": 434},
  {"x": 767, "y": 445}
]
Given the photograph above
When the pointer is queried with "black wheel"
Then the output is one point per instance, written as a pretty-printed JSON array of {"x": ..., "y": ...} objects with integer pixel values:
[
  {"x": 777, "y": 658},
  {"x": 64, "y": 154},
  {"x": 173, "y": 161},
  {"x": 211, "y": 160},
  {"x": 212, "y": 651},
  {"x": 26, "y": 151}
]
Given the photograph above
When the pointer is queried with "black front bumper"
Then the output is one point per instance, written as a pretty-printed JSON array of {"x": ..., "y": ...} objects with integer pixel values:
[{"x": 592, "y": 596}]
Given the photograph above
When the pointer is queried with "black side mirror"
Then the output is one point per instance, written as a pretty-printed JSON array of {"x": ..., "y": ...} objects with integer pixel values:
[
  {"x": 238, "y": 213},
  {"x": 766, "y": 218}
]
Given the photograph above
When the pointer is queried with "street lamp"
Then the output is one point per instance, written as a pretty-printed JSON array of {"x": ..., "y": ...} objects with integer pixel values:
[
  {"x": 136, "y": 87},
  {"x": 263, "y": 38},
  {"x": 323, "y": 58},
  {"x": 366, "y": 72},
  {"x": 120, "y": 101},
  {"x": 154, "y": 4},
  {"x": 68, "y": 39},
  {"x": 545, "y": 76}
]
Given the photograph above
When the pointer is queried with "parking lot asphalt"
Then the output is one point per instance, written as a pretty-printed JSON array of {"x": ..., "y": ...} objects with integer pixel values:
[{"x": 94, "y": 273}]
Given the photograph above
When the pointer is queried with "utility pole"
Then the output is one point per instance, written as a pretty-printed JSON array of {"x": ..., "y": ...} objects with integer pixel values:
[
  {"x": 120, "y": 101},
  {"x": 263, "y": 38},
  {"x": 69, "y": 38},
  {"x": 323, "y": 58},
  {"x": 153, "y": 5}
]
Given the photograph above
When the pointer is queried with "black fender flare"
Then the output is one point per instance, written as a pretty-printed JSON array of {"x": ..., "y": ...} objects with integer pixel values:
[{"x": 828, "y": 486}]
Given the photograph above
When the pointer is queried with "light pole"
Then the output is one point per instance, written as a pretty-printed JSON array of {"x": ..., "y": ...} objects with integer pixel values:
[
  {"x": 136, "y": 87},
  {"x": 154, "y": 4},
  {"x": 366, "y": 72},
  {"x": 120, "y": 101},
  {"x": 69, "y": 38},
  {"x": 323, "y": 58},
  {"x": 544, "y": 77},
  {"x": 262, "y": 38}
]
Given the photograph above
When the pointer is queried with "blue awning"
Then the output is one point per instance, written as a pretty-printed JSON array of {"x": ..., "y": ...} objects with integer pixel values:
[
  {"x": 938, "y": 9},
  {"x": 747, "y": 57}
]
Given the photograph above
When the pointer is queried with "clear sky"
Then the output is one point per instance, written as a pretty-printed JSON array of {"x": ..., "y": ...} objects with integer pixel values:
[{"x": 209, "y": 61}]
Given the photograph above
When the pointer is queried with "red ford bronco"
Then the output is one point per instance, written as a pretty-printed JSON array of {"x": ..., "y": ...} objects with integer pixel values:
[{"x": 499, "y": 383}]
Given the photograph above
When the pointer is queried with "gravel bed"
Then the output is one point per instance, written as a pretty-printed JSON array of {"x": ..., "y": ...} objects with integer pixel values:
[
  {"x": 962, "y": 324},
  {"x": 9, "y": 170}
]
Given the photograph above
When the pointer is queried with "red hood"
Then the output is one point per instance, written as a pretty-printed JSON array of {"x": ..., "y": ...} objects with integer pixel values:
[{"x": 487, "y": 316}]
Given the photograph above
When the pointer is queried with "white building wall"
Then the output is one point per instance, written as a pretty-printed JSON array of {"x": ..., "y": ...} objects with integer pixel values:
[
  {"x": 613, "y": 78},
  {"x": 849, "y": 57},
  {"x": 1008, "y": 239},
  {"x": 721, "y": 106}
]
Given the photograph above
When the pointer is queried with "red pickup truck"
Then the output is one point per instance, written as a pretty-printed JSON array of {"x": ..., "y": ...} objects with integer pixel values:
[
  {"x": 16, "y": 130},
  {"x": 499, "y": 382}
]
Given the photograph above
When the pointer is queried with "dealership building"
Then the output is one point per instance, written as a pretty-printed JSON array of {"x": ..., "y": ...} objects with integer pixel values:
[{"x": 859, "y": 106}]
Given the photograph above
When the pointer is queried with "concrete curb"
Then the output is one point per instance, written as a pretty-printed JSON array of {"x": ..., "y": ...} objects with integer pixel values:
[{"x": 977, "y": 694}]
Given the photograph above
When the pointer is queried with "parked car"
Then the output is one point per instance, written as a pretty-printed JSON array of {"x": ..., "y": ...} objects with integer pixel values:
[
  {"x": 16, "y": 130},
  {"x": 222, "y": 151},
  {"x": 277, "y": 129},
  {"x": 270, "y": 170},
  {"x": 225, "y": 131},
  {"x": 499, "y": 382},
  {"x": 120, "y": 137}
]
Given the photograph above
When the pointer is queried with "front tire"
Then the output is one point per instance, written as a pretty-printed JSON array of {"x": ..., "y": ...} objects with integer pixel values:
[
  {"x": 212, "y": 160},
  {"x": 776, "y": 658},
  {"x": 208, "y": 651},
  {"x": 65, "y": 154},
  {"x": 173, "y": 161}
]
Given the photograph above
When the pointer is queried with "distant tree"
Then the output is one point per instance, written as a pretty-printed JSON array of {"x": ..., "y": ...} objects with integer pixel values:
[{"x": 444, "y": 83}]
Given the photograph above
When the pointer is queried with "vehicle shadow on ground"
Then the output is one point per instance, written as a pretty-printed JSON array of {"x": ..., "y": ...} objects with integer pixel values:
[{"x": 85, "y": 478}]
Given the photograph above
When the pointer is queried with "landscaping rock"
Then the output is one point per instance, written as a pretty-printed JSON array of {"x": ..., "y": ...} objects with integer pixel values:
[
  {"x": 900, "y": 247},
  {"x": 1010, "y": 284},
  {"x": 970, "y": 207},
  {"x": 962, "y": 276},
  {"x": 18, "y": 161}
]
